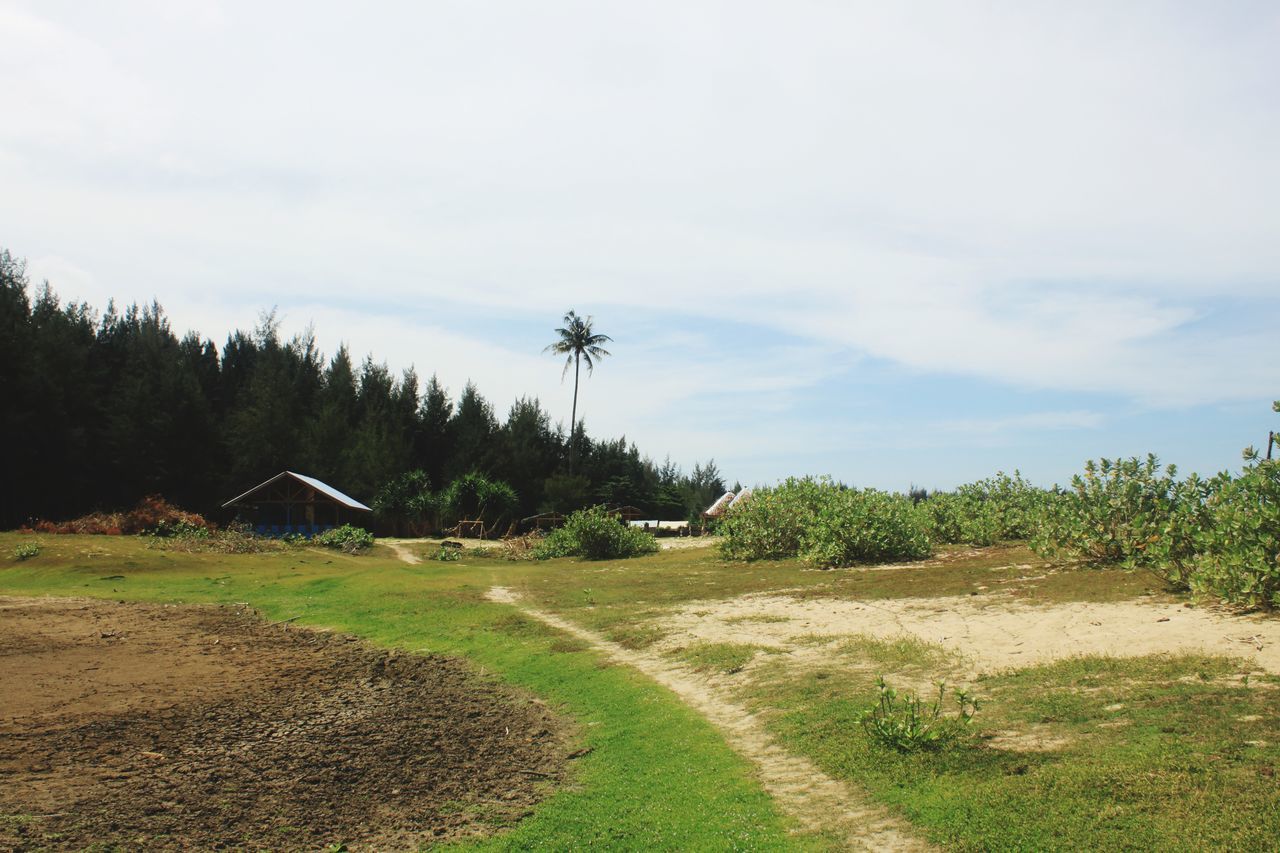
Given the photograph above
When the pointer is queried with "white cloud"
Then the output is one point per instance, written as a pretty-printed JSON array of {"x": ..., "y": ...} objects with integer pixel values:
[{"x": 1042, "y": 196}]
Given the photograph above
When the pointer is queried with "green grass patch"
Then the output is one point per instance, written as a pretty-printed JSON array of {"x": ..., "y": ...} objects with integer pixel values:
[
  {"x": 1092, "y": 753},
  {"x": 658, "y": 776},
  {"x": 725, "y": 658}
]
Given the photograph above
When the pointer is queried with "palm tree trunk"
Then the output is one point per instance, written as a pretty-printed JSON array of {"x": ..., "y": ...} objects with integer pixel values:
[{"x": 573, "y": 417}]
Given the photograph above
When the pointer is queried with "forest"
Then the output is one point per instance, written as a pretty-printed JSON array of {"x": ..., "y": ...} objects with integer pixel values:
[{"x": 102, "y": 408}]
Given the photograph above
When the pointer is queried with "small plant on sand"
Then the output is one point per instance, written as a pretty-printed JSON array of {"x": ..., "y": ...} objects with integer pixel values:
[
  {"x": 348, "y": 538},
  {"x": 26, "y": 551},
  {"x": 908, "y": 724}
]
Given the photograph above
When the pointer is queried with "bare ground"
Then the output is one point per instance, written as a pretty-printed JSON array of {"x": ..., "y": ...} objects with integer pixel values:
[
  {"x": 817, "y": 801},
  {"x": 990, "y": 634},
  {"x": 166, "y": 727}
]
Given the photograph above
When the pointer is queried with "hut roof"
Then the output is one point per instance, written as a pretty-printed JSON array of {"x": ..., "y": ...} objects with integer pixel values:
[
  {"x": 318, "y": 485},
  {"x": 721, "y": 504}
]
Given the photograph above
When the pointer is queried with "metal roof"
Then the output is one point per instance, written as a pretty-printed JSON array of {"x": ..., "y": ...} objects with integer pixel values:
[{"x": 345, "y": 500}]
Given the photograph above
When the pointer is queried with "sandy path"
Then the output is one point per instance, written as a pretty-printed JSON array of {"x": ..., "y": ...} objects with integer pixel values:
[
  {"x": 819, "y": 802},
  {"x": 991, "y": 634},
  {"x": 402, "y": 550}
]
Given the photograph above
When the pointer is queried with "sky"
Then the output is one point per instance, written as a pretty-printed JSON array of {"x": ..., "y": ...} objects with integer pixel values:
[{"x": 898, "y": 243}]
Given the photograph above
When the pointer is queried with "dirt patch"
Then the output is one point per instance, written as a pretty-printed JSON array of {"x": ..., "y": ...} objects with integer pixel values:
[
  {"x": 172, "y": 727},
  {"x": 1038, "y": 738},
  {"x": 817, "y": 801},
  {"x": 404, "y": 549},
  {"x": 991, "y": 635},
  {"x": 681, "y": 543}
]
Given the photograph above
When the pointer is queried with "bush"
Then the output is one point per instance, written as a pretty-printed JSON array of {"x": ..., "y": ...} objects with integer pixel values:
[
  {"x": 998, "y": 508},
  {"x": 772, "y": 524},
  {"x": 595, "y": 534},
  {"x": 866, "y": 526},
  {"x": 827, "y": 523},
  {"x": 1239, "y": 559},
  {"x": 1130, "y": 512},
  {"x": 348, "y": 538},
  {"x": 26, "y": 551},
  {"x": 908, "y": 725}
]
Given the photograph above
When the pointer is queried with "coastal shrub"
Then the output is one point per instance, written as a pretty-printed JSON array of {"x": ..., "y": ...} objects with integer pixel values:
[
  {"x": 348, "y": 538},
  {"x": 826, "y": 523},
  {"x": 595, "y": 534},
  {"x": 1131, "y": 512},
  {"x": 772, "y": 524},
  {"x": 865, "y": 526},
  {"x": 1239, "y": 559},
  {"x": 991, "y": 510},
  {"x": 955, "y": 518}
]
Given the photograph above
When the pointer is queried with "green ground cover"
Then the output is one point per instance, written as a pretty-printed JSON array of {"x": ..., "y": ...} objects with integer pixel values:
[
  {"x": 1101, "y": 753},
  {"x": 658, "y": 776}
]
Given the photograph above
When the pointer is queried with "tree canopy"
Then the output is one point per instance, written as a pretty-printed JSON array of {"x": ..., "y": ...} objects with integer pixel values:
[{"x": 101, "y": 409}]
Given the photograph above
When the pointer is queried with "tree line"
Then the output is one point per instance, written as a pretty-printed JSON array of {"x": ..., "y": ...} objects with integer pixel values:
[{"x": 103, "y": 408}]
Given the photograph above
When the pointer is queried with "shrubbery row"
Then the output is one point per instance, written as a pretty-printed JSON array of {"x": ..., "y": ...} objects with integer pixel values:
[{"x": 1218, "y": 536}]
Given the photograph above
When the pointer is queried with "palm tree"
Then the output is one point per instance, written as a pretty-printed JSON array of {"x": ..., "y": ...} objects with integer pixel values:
[{"x": 579, "y": 343}]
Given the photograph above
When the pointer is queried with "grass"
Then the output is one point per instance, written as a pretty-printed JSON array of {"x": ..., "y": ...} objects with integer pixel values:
[
  {"x": 1122, "y": 754},
  {"x": 1100, "y": 753},
  {"x": 658, "y": 776},
  {"x": 726, "y": 658}
]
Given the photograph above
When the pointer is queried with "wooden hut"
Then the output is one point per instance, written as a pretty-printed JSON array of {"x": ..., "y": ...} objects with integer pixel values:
[
  {"x": 626, "y": 513},
  {"x": 298, "y": 504}
]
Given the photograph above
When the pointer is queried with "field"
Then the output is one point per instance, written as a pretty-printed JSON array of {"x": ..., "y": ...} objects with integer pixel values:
[{"x": 697, "y": 703}]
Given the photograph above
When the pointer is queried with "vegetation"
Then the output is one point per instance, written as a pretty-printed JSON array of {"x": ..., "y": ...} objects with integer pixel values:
[
  {"x": 999, "y": 508},
  {"x": 1219, "y": 536},
  {"x": 153, "y": 515},
  {"x": 1239, "y": 547},
  {"x": 347, "y": 538},
  {"x": 26, "y": 550},
  {"x": 578, "y": 342},
  {"x": 596, "y": 535},
  {"x": 110, "y": 407},
  {"x": 827, "y": 523},
  {"x": 907, "y": 724},
  {"x": 1137, "y": 753},
  {"x": 630, "y": 788}
]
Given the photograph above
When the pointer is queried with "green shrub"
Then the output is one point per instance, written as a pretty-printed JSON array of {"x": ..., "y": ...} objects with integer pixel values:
[
  {"x": 825, "y": 522},
  {"x": 998, "y": 508},
  {"x": 1130, "y": 512},
  {"x": 348, "y": 538},
  {"x": 447, "y": 554},
  {"x": 907, "y": 724},
  {"x": 26, "y": 551},
  {"x": 1239, "y": 559},
  {"x": 955, "y": 518},
  {"x": 865, "y": 526},
  {"x": 770, "y": 525},
  {"x": 595, "y": 534}
]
